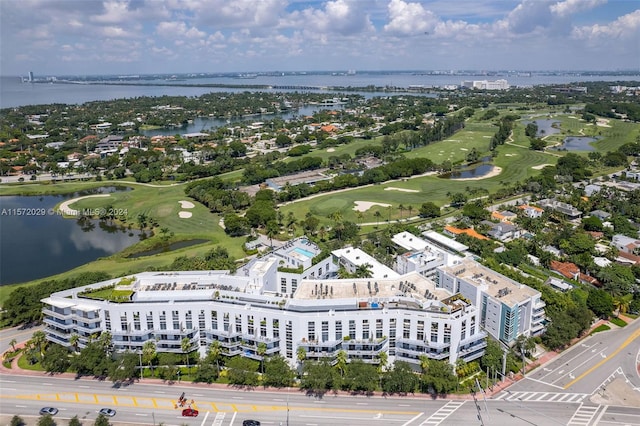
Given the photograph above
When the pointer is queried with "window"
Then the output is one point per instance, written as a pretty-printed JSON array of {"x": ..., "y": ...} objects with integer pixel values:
[
  {"x": 107, "y": 320},
  {"x": 283, "y": 285},
  {"x": 276, "y": 328},
  {"x": 352, "y": 329},
  {"x": 175, "y": 315},
  {"x": 150, "y": 321},
  {"x": 311, "y": 331},
  {"x": 434, "y": 332},
  {"x": 420, "y": 335},
  {"x": 294, "y": 285},
  {"x": 406, "y": 328},
  {"x": 123, "y": 322},
  {"x": 189, "y": 320},
  {"x": 365, "y": 329},
  {"x": 379, "y": 329},
  {"x": 325, "y": 331},
  {"x": 136, "y": 321},
  {"x": 338, "y": 330},
  {"x": 202, "y": 324}
]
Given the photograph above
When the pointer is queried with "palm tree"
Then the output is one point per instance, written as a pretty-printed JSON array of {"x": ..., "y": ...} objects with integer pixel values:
[
  {"x": 424, "y": 363},
  {"x": 409, "y": 209},
  {"x": 341, "y": 362},
  {"x": 621, "y": 304},
  {"x": 149, "y": 353},
  {"x": 272, "y": 230},
  {"x": 74, "y": 340},
  {"x": 215, "y": 353},
  {"x": 13, "y": 344},
  {"x": 301, "y": 354},
  {"x": 401, "y": 208},
  {"x": 185, "y": 345},
  {"x": 363, "y": 271},
  {"x": 39, "y": 340},
  {"x": 377, "y": 215},
  {"x": 261, "y": 350}
]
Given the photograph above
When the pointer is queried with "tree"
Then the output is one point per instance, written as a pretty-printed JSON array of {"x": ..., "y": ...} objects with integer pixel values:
[
  {"x": 429, "y": 210},
  {"x": 149, "y": 353},
  {"x": 214, "y": 353},
  {"x": 439, "y": 377},
  {"x": 242, "y": 371},
  {"x": 12, "y": 343},
  {"x": 400, "y": 379},
  {"x": 39, "y": 340},
  {"x": 272, "y": 230},
  {"x": 492, "y": 357},
  {"x": 622, "y": 303},
  {"x": 185, "y": 345},
  {"x": 17, "y": 421},
  {"x": 101, "y": 420},
  {"x": 318, "y": 377},
  {"x": 74, "y": 340},
  {"x": 458, "y": 199},
  {"x": 205, "y": 372},
  {"x": 277, "y": 372},
  {"x": 56, "y": 359},
  {"x": 46, "y": 420},
  {"x": 341, "y": 362},
  {"x": 359, "y": 377},
  {"x": 124, "y": 367},
  {"x": 261, "y": 350},
  {"x": 600, "y": 302},
  {"x": 75, "y": 421}
]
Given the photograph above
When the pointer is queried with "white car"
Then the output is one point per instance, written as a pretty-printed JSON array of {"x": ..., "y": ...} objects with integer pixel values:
[
  {"x": 51, "y": 411},
  {"x": 107, "y": 412}
]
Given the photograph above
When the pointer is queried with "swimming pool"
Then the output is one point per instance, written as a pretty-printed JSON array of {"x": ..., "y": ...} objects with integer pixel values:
[{"x": 304, "y": 252}]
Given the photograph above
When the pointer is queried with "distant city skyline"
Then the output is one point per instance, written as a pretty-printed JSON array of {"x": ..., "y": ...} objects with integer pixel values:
[{"x": 63, "y": 37}]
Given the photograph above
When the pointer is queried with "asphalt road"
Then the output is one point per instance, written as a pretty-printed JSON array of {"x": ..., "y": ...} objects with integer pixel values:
[
  {"x": 588, "y": 366},
  {"x": 154, "y": 403}
]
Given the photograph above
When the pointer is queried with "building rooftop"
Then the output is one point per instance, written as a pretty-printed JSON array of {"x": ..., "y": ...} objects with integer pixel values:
[
  {"x": 444, "y": 241},
  {"x": 505, "y": 289}
]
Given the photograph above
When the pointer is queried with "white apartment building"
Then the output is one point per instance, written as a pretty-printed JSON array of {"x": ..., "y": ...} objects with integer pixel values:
[
  {"x": 486, "y": 84},
  {"x": 507, "y": 308},
  {"x": 422, "y": 256},
  {"x": 404, "y": 315}
]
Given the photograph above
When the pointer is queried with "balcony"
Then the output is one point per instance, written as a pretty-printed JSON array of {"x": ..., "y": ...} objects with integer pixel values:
[
  {"x": 56, "y": 314},
  {"x": 327, "y": 344},
  {"x": 67, "y": 325}
]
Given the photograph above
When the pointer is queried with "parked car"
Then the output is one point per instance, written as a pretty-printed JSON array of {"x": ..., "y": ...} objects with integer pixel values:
[
  {"x": 109, "y": 412},
  {"x": 250, "y": 423},
  {"x": 189, "y": 412},
  {"x": 48, "y": 410}
]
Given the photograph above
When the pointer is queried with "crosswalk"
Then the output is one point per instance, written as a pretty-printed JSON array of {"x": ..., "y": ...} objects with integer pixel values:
[
  {"x": 583, "y": 415},
  {"x": 542, "y": 396},
  {"x": 444, "y": 412},
  {"x": 220, "y": 415}
]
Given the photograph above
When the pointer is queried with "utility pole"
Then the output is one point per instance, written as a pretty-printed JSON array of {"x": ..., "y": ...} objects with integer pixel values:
[{"x": 475, "y": 401}]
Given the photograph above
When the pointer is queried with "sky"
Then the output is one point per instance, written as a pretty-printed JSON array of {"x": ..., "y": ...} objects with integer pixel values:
[{"x": 124, "y": 37}]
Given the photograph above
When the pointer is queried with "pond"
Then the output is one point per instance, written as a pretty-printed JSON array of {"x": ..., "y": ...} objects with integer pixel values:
[
  {"x": 577, "y": 143},
  {"x": 475, "y": 170},
  {"x": 545, "y": 127},
  {"x": 36, "y": 242},
  {"x": 170, "y": 247}
]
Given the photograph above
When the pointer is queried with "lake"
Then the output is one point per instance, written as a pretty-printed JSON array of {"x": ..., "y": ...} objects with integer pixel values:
[
  {"x": 35, "y": 242},
  {"x": 545, "y": 127},
  {"x": 577, "y": 143}
]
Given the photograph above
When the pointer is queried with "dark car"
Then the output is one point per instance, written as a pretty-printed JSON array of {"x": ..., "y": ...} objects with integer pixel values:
[
  {"x": 51, "y": 411},
  {"x": 250, "y": 423},
  {"x": 107, "y": 412},
  {"x": 189, "y": 412}
]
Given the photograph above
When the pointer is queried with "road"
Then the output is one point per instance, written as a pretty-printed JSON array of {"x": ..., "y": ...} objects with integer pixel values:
[
  {"x": 588, "y": 366},
  {"x": 154, "y": 403}
]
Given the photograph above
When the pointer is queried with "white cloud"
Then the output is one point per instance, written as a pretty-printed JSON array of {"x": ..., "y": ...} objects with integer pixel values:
[
  {"x": 176, "y": 30},
  {"x": 340, "y": 17},
  {"x": 409, "y": 18},
  {"x": 569, "y": 7},
  {"x": 626, "y": 26}
]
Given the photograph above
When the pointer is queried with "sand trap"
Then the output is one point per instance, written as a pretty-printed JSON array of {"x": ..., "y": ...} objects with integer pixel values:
[
  {"x": 494, "y": 172},
  {"x": 363, "y": 206},
  {"x": 464, "y": 149},
  {"x": 541, "y": 166},
  {"x": 510, "y": 155},
  {"x": 602, "y": 122},
  {"x": 391, "y": 188},
  {"x": 331, "y": 149},
  {"x": 185, "y": 215},
  {"x": 186, "y": 204}
]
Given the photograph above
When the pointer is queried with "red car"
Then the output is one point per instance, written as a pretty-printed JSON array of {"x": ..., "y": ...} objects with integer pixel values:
[{"x": 189, "y": 412}]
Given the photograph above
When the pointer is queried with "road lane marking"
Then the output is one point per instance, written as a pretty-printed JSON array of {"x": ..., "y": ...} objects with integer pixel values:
[{"x": 626, "y": 343}]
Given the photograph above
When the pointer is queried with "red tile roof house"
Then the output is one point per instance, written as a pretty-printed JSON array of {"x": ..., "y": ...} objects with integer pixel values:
[{"x": 571, "y": 271}]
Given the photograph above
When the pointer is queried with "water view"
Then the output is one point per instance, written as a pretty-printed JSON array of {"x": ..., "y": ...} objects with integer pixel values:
[
  {"x": 42, "y": 243},
  {"x": 577, "y": 143}
]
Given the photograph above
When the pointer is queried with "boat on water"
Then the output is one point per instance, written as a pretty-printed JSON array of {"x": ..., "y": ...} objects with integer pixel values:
[{"x": 246, "y": 76}]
